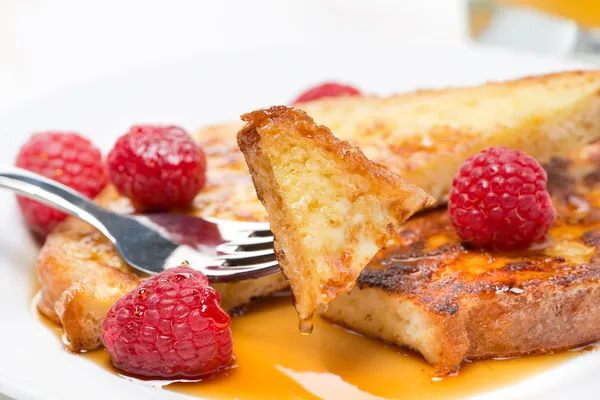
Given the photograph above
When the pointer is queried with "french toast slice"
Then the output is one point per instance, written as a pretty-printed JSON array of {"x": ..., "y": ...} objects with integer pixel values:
[
  {"x": 409, "y": 133},
  {"x": 330, "y": 208},
  {"x": 425, "y": 136},
  {"x": 429, "y": 292}
]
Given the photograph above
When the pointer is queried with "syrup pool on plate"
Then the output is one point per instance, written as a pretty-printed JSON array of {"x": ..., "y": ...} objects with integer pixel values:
[{"x": 273, "y": 360}]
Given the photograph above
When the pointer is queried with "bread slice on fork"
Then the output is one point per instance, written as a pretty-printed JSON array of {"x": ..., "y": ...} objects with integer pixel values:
[{"x": 330, "y": 208}]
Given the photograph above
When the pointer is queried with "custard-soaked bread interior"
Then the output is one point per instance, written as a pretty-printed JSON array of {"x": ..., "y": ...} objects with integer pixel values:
[
  {"x": 429, "y": 292},
  {"x": 330, "y": 208}
]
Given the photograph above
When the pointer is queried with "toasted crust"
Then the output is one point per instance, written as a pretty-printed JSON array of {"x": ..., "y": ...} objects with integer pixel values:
[
  {"x": 452, "y": 303},
  {"x": 410, "y": 133},
  {"x": 330, "y": 208}
]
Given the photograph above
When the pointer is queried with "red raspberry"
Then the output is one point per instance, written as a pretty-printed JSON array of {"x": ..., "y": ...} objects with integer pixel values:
[
  {"x": 67, "y": 158},
  {"x": 329, "y": 89},
  {"x": 157, "y": 167},
  {"x": 499, "y": 200},
  {"x": 170, "y": 326}
]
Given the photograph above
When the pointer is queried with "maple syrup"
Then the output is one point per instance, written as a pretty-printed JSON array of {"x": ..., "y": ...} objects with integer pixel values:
[{"x": 273, "y": 360}]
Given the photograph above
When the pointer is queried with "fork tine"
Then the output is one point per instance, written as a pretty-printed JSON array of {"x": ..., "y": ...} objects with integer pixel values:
[
  {"x": 240, "y": 226},
  {"x": 261, "y": 233},
  {"x": 245, "y": 258},
  {"x": 236, "y": 249},
  {"x": 258, "y": 227},
  {"x": 248, "y": 241},
  {"x": 217, "y": 274}
]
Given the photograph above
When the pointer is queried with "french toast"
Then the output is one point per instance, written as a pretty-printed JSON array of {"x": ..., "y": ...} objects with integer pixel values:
[
  {"x": 408, "y": 133},
  {"x": 429, "y": 292},
  {"x": 330, "y": 208}
]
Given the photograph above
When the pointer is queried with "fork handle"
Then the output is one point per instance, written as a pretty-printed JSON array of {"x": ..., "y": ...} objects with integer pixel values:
[{"x": 54, "y": 194}]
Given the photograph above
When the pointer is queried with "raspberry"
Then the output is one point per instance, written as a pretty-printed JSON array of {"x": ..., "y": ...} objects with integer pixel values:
[
  {"x": 170, "y": 326},
  {"x": 499, "y": 200},
  {"x": 67, "y": 158},
  {"x": 157, "y": 167},
  {"x": 329, "y": 89}
]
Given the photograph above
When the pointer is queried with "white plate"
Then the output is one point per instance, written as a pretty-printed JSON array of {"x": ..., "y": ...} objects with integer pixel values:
[{"x": 192, "y": 93}]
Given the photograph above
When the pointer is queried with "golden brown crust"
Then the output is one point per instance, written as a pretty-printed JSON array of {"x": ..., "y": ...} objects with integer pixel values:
[
  {"x": 500, "y": 304},
  {"x": 330, "y": 208},
  {"x": 273, "y": 120}
]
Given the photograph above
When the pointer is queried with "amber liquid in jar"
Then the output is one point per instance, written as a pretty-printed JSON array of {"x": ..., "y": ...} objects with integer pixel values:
[{"x": 273, "y": 360}]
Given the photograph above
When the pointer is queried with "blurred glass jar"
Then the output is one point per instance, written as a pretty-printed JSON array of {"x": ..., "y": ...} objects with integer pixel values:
[{"x": 584, "y": 12}]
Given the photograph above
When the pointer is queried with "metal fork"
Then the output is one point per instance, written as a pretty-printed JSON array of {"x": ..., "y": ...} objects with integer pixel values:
[{"x": 223, "y": 250}]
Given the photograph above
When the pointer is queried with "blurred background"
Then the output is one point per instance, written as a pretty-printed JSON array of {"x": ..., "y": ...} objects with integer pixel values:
[
  {"x": 46, "y": 45},
  {"x": 584, "y": 12}
]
